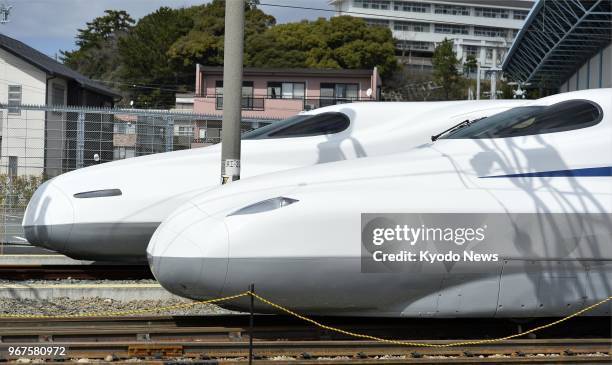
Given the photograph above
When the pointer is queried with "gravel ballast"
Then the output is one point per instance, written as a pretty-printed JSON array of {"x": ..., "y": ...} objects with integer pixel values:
[{"x": 61, "y": 305}]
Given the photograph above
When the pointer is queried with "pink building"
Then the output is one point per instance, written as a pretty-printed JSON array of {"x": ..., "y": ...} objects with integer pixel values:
[{"x": 280, "y": 93}]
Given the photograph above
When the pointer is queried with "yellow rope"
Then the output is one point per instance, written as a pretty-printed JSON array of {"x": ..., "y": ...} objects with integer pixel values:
[
  {"x": 309, "y": 320},
  {"x": 420, "y": 344}
]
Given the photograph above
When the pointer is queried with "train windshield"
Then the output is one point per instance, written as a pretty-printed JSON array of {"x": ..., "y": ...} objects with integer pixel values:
[
  {"x": 531, "y": 120},
  {"x": 302, "y": 126}
]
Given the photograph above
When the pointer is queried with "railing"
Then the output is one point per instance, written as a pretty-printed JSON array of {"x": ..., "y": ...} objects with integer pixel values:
[
  {"x": 310, "y": 103},
  {"x": 248, "y": 103},
  {"x": 259, "y": 103}
]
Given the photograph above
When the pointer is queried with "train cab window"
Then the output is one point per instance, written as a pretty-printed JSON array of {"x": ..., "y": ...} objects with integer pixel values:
[
  {"x": 302, "y": 126},
  {"x": 530, "y": 120}
]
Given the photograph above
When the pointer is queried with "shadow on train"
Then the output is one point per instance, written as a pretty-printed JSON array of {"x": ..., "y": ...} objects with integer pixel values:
[{"x": 565, "y": 239}]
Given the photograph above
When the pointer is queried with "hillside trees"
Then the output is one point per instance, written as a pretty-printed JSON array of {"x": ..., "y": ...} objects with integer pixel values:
[{"x": 154, "y": 58}]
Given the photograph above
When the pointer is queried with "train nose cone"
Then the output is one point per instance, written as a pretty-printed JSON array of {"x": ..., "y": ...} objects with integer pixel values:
[
  {"x": 188, "y": 254},
  {"x": 48, "y": 218}
]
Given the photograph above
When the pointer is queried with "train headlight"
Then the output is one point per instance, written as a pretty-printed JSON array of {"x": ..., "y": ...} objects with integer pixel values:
[{"x": 265, "y": 206}]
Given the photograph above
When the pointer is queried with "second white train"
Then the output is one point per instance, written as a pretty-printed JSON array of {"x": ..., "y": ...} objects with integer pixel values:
[{"x": 524, "y": 199}]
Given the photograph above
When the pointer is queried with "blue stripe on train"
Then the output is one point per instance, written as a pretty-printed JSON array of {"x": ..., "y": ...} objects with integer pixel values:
[{"x": 590, "y": 171}]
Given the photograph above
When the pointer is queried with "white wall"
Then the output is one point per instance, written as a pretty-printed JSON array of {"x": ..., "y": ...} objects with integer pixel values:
[
  {"x": 22, "y": 134},
  {"x": 597, "y": 71}
]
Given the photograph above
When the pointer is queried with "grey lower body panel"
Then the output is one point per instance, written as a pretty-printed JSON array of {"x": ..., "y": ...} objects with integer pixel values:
[
  {"x": 95, "y": 241},
  {"x": 336, "y": 286}
]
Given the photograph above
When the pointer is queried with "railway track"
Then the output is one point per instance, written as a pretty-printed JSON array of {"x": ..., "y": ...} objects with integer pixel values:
[
  {"x": 81, "y": 272},
  {"x": 514, "y": 351},
  {"x": 279, "y": 340}
]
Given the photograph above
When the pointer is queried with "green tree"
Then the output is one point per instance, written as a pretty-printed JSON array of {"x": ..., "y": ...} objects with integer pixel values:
[
  {"x": 144, "y": 56},
  {"x": 445, "y": 63},
  {"x": 161, "y": 51},
  {"x": 204, "y": 42},
  {"x": 155, "y": 58},
  {"x": 97, "y": 53},
  {"x": 340, "y": 42},
  {"x": 470, "y": 65}
]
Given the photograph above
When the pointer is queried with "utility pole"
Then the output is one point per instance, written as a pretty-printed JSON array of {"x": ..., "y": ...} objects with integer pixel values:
[
  {"x": 5, "y": 12},
  {"x": 232, "y": 90},
  {"x": 478, "y": 80},
  {"x": 493, "y": 95}
]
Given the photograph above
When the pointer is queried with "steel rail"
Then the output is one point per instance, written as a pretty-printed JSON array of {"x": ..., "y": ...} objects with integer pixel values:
[
  {"x": 82, "y": 272},
  {"x": 275, "y": 326},
  {"x": 566, "y": 350},
  {"x": 223, "y": 339}
]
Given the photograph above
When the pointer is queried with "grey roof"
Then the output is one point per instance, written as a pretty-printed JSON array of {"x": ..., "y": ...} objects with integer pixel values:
[
  {"x": 51, "y": 66},
  {"x": 292, "y": 71},
  {"x": 556, "y": 39}
]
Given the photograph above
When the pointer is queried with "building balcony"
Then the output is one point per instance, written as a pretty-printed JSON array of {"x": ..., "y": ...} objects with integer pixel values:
[
  {"x": 266, "y": 107},
  {"x": 248, "y": 103}
]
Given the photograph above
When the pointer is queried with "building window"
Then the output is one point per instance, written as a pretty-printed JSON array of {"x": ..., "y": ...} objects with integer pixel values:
[
  {"x": 411, "y": 7},
  {"x": 339, "y": 91},
  {"x": 489, "y": 53},
  {"x": 219, "y": 88},
  {"x": 274, "y": 90},
  {"x": 489, "y": 32},
  {"x": 492, "y": 12},
  {"x": 450, "y": 29},
  {"x": 471, "y": 51},
  {"x": 520, "y": 14},
  {"x": 124, "y": 128},
  {"x": 120, "y": 153},
  {"x": 414, "y": 45},
  {"x": 12, "y": 167},
  {"x": 377, "y": 22},
  {"x": 451, "y": 9},
  {"x": 184, "y": 130},
  {"x": 373, "y": 4},
  {"x": 411, "y": 27},
  {"x": 286, "y": 90},
  {"x": 247, "y": 89},
  {"x": 14, "y": 99},
  {"x": 248, "y": 102},
  {"x": 515, "y": 32}
]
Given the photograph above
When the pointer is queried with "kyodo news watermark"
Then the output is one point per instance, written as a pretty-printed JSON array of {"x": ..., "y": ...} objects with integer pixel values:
[{"x": 397, "y": 242}]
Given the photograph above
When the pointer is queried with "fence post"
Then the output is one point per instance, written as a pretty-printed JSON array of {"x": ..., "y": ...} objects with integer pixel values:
[
  {"x": 169, "y": 133},
  {"x": 80, "y": 145},
  {"x": 252, "y": 304}
]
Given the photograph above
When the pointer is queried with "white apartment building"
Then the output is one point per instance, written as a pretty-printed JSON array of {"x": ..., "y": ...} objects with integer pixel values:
[{"x": 484, "y": 29}]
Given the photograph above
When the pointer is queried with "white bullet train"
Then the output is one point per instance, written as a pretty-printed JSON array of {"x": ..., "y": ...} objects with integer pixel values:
[
  {"x": 507, "y": 216},
  {"x": 110, "y": 211}
]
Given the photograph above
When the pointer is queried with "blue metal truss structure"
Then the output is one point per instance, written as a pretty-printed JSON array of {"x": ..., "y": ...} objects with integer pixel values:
[{"x": 558, "y": 37}]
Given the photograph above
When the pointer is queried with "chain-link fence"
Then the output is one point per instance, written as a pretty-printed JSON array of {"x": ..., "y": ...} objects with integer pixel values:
[{"x": 40, "y": 142}]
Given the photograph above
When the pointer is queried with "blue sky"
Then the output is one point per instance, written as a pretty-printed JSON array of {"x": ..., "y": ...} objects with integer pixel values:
[{"x": 50, "y": 25}]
